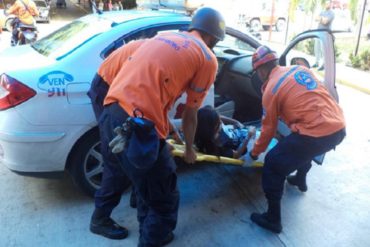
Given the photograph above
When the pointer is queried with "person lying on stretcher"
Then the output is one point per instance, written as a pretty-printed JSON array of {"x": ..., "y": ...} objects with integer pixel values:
[{"x": 221, "y": 136}]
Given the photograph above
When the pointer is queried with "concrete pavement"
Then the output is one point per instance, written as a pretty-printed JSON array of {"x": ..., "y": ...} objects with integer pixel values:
[
  {"x": 216, "y": 202},
  {"x": 354, "y": 78}
]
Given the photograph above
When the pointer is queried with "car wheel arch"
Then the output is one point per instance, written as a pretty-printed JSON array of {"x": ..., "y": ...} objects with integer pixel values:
[
  {"x": 75, "y": 157},
  {"x": 82, "y": 152}
]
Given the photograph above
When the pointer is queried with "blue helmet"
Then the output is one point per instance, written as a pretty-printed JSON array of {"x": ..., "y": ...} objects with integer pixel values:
[{"x": 210, "y": 21}]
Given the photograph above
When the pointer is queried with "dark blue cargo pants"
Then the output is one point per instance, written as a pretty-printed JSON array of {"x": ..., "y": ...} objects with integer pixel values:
[
  {"x": 156, "y": 187},
  {"x": 114, "y": 180},
  {"x": 294, "y": 152}
]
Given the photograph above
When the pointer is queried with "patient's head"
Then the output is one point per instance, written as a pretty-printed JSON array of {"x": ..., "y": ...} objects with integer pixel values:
[{"x": 208, "y": 128}]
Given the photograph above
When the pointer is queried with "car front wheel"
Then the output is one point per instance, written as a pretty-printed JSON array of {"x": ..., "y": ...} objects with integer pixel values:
[
  {"x": 8, "y": 24},
  {"x": 280, "y": 25},
  {"x": 255, "y": 25},
  {"x": 86, "y": 163}
]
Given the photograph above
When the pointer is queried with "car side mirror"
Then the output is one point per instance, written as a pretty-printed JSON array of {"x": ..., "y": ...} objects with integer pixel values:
[{"x": 300, "y": 61}]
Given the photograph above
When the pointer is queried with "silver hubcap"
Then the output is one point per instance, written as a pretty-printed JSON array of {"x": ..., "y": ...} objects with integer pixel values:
[{"x": 93, "y": 166}]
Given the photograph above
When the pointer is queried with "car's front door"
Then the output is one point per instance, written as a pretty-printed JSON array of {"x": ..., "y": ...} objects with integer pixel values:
[{"x": 315, "y": 50}]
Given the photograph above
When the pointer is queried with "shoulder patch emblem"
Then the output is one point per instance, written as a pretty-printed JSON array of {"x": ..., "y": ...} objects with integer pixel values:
[{"x": 305, "y": 79}]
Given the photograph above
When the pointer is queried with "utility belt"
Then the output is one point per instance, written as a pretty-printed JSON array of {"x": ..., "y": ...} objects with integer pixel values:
[{"x": 137, "y": 138}]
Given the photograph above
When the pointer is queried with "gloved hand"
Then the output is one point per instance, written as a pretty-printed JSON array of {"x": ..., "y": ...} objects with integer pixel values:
[
  {"x": 249, "y": 159},
  {"x": 119, "y": 142}
]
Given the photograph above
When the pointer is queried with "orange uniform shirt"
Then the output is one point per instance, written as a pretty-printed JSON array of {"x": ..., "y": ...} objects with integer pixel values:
[
  {"x": 24, "y": 14},
  {"x": 298, "y": 98},
  {"x": 159, "y": 71},
  {"x": 113, "y": 63}
]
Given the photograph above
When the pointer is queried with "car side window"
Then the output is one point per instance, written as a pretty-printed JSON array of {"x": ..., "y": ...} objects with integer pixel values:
[
  {"x": 142, "y": 34},
  {"x": 232, "y": 45}
]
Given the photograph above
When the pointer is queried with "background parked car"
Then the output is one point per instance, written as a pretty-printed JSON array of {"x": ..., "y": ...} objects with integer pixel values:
[
  {"x": 44, "y": 10},
  {"x": 258, "y": 15}
]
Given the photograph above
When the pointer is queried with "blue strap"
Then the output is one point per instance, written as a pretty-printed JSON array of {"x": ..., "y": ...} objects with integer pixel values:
[{"x": 282, "y": 79}]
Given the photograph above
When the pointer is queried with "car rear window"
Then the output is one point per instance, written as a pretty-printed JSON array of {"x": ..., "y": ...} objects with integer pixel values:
[
  {"x": 68, "y": 38},
  {"x": 40, "y": 3}
]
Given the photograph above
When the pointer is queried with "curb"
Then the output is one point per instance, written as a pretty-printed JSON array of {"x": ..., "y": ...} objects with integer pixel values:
[{"x": 351, "y": 85}]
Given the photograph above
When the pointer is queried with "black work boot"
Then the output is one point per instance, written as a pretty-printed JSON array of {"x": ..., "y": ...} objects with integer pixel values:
[
  {"x": 168, "y": 239},
  {"x": 165, "y": 241},
  {"x": 270, "y": 220},
  {"x": 107, "y": 227},
  {"x": 299, "y": 181}
]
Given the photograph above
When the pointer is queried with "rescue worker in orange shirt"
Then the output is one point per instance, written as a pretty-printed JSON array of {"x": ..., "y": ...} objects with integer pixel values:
[
  {"x": 147, "y": 86},
  {"x": 24, "y": 10},
  {"x": 115, "y": 182},
  {"x": 297, "y": 97}
]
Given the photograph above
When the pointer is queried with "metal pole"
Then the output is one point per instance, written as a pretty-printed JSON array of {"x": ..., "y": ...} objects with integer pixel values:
[
  {"x": 287, "y": 23},
  {"x": 360, "y": 29},
  {"x": 272, "y": 18}
]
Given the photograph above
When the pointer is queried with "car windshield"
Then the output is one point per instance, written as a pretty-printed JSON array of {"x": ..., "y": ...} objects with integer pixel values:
[
  {"x": 40, "y": 3},
  {"x": 68, "y": 38}
]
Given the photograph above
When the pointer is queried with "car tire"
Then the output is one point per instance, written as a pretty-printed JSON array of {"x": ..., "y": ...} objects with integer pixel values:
[
  {"x": 266, "y": 27},
  {"x": 255, "y": 25},
  {"x": 8, "y": 24},
  {"x": 86, "y": 163},
  {"x": 280, "y": 25}
]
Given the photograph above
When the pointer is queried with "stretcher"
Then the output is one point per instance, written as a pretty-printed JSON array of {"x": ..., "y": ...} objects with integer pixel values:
[{"x": 179, "y": 149}]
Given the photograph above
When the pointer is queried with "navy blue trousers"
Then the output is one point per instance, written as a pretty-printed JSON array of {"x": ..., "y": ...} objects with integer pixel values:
[
  {"x": 156, "y": 188},
  {"x": 294, "y": 152},
  {"x": 114, "y": 180},
  {"x": 15, "y": 24}
]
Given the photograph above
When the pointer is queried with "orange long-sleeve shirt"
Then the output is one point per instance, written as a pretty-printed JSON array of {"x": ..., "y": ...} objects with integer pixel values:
[
  {"x": 159, "y": 71},
  {"x": 110, "y": 67},
  {"x": 298, "y": 98},
  {"x": 24, "y": 14}
]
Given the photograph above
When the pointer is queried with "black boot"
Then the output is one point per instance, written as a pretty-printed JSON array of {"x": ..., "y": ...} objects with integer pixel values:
[
  {"x": 168, "y": 239},
  {"x": 271, "y": 220},
  {"x": 106, "y": 226},
  {"x": 165, "y": 241},
  {"x": 299, "y": 181}
]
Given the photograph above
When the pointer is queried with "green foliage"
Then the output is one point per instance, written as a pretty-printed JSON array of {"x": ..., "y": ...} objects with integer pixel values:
[
  {"x": 310, "y": 46},
  {"x": 365, "y": 60},
  {"x": 361, "y": 61},
  {"x": 337, "y": 52},
  {"x": 310, "y": 5},
  {"x": 353, "y": 9},
  {"x": 129, "y": 4},
  {"x": 355, "y": 61}
]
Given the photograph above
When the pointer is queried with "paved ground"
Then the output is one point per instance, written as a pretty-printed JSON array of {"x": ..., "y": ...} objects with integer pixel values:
[{"x": 216, "y": 202}]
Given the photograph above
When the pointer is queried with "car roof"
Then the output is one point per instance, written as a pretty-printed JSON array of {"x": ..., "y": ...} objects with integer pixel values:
[{"x": 118, "y": 17}]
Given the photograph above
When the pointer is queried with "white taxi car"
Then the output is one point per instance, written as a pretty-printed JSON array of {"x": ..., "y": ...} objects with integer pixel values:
[{"x": 46, "y": 120}]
